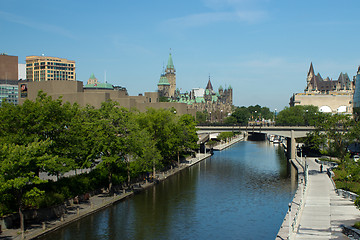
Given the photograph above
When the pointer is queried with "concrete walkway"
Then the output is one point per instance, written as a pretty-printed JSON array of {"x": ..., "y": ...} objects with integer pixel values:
[
  {"x": 221, "y": 147},
  {"x": 324, "y": 211}
]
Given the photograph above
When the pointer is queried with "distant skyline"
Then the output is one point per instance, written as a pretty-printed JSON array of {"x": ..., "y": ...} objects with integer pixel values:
[{"x": 262, "y": 48}]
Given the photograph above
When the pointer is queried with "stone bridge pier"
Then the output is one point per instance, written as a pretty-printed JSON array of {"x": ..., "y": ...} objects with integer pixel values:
[{"x": 291, "y": 146}]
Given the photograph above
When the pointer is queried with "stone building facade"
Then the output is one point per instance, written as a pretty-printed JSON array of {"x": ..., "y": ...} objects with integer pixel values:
[
  {"x": 218, "y": 105},
  {"x": 331, "y": 96},
  {"x": 167, "y": 82}
]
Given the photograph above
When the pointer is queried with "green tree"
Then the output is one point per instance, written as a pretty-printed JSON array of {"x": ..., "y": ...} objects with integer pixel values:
[
  {"x": 298, "y": 116},
  {"x": 160, "y": 124},
  {"x": 242, "y": 115},
  {"x": 185, "y": 138},
  {"x": 18, "y": 172},
  {"x": 110, "y": 131},
  {"x": 201, "y": 117}
]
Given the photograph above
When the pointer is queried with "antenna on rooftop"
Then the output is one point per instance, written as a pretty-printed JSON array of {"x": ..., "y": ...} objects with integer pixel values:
[{"x": 105, "y": 77}]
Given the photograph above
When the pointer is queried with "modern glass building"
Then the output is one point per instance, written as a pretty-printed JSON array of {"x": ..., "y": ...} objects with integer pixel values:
[
  {"x": 356, "y": 99},
  {"x": 8, "y": 92}
]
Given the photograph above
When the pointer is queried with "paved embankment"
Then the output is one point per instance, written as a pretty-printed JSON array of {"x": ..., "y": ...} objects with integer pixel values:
[
  {"x": 323, "y": 212},
  {"x": 228, "y": 144},
  {"x": 295, "y": 205},
  {"x": 95, "y": 204}
]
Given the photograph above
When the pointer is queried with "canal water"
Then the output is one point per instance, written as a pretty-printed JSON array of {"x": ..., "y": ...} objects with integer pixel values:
[{"x": 239, "y": 193}]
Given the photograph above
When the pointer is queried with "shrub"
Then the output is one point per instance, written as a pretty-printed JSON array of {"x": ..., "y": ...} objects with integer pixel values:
[
  {"x": 357, "y": 225},
  {"x": 357, "y": 203}
]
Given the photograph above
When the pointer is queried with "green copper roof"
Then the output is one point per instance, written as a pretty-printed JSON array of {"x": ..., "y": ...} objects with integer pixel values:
[
  {"x": 163, "y": 81},
  {"x": 214, "y": 98},
  {"x": 230, "y": 87},
  {"x": 170, "y": 63},
  {"x": 99, "y": 86},
  {"x": 199, "y": 100},
  {"x": 92, "y": 76},
  {"x": 220, "y": 88}
]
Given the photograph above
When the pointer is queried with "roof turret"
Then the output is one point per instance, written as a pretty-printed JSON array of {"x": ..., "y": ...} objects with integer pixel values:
[
  {"x": 163, "y": 81},
  {"x": 209, "y": 85},
  {"x": 92, "y": 76}
]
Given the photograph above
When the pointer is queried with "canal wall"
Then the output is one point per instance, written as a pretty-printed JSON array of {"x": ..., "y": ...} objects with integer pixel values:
[
  {"x": 293, "y": 215},
  {"x": 60, "y": 216},
  {"x": 225, "y": 145}
]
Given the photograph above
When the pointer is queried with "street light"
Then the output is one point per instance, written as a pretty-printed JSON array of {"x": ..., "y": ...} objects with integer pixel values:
[{"x": 275, "y": 117}]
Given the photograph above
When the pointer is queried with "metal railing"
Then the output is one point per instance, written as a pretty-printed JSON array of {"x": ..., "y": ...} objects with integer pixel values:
[{"x": 302, "y": 186}]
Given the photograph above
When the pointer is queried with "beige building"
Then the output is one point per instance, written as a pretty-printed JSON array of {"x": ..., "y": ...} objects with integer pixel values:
[
  {"x": 43, "y": 68},
  {"x": 330, "y": 96},
  {"x": 330, "y": 103},
  {"x": 75, "y": 92}
]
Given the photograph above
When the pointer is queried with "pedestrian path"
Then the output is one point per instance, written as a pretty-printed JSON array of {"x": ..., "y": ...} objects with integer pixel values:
[
  {"x": 324, "y": 211},
  {"x": 228, "y": 144}
]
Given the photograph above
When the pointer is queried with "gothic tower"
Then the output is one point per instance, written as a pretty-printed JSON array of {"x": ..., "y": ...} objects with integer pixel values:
[
  {"x": 163, "y": 86},
  {"x": 171, "y": 76}
]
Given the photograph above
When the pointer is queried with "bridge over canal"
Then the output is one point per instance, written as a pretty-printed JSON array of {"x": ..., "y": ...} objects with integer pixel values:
[{"x": 290, "y": 132}]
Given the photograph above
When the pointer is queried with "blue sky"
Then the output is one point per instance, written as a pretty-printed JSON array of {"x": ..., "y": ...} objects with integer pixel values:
[{"x": 262, "y": 48}]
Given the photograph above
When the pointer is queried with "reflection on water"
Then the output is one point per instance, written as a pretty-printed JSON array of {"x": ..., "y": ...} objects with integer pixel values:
[{"x": 239, "y": 193}]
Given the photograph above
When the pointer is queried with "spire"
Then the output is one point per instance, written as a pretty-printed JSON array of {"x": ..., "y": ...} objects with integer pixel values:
[
  {"x": 92, "y": 76},
  {"x": 209, "y": 85},
  {"x": 311, "y": 70},
  {"x": 170, "y": 63}
]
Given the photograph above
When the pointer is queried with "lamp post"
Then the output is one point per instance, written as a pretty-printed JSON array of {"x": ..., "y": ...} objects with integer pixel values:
[
  {"x": 289, "y": 221},
  {"x": 275, "y": 117}
]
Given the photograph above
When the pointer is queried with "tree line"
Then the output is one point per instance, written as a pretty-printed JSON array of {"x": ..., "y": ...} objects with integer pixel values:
[{"x": 49, "y": 136}]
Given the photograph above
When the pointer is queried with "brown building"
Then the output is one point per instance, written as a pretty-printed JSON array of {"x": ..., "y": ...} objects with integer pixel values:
[
  {"x": 8, "y": 68},
  {"x": 42, "y": 68},
  {"x": 74, "y": 91},
  {"x": 9, "y": 78}
]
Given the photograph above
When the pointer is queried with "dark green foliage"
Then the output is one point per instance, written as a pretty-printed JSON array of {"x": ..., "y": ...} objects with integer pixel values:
[
  {"x": 164, "y": 99},
  {"x": 357, "y": 203},
  {"x": 225, "y": 135},
  {"x": 50, "y": 136},
  {"x": 242, "y": 115},
  {"x": 298, "y": 116},
  {"x": 201, "y": 117}
]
